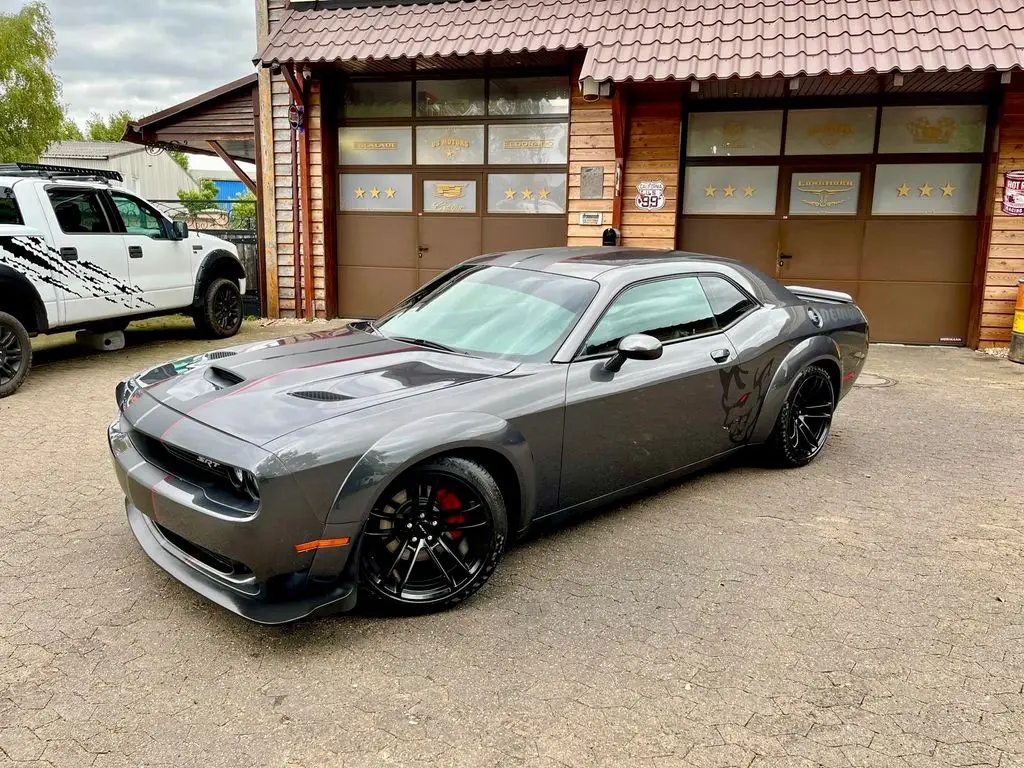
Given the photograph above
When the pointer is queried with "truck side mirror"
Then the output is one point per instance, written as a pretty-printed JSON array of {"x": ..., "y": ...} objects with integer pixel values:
[{"x": 179, "y": 230}]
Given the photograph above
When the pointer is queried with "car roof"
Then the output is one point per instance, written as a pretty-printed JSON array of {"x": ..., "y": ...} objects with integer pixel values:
[{"x": 591, "y": 262}]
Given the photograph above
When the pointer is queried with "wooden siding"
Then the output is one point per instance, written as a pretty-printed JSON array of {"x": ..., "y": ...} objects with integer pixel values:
[
  {"x": 652, "y": 155},
  {"x": 591, "y": 143},
  {"x": 230, "y": 118},
  {"x": 1005, "y": 262}
]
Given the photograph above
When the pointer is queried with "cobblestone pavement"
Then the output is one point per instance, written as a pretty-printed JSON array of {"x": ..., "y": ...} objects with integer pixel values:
[{"x": 863, "y": 611}]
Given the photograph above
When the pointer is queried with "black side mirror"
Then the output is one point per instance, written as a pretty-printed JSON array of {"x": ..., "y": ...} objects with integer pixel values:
[
  {"x": 639, "y": 346},
  {"x": 179, "y": 230}
]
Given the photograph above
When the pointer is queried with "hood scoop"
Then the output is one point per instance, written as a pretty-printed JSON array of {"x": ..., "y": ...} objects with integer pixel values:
[
  {"x": 222, "y": 378},
  {"x": 321, "y": 396}
]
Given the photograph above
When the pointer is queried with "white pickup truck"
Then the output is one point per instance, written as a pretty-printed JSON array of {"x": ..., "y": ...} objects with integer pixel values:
[{"x": 78, "y": 252}]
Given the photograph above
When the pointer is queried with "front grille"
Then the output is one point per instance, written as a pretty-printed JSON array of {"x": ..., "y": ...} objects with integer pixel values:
[{"x": 225, "y": 566}]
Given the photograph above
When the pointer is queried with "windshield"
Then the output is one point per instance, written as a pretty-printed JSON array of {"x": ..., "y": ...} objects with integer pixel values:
[{"x": 495, "y": 311}]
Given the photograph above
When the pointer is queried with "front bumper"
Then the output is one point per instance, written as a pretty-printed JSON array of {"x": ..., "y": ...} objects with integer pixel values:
[{"x": 244, "y": 561}]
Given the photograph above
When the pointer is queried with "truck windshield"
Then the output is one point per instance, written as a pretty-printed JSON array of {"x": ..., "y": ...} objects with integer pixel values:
[
  {"x": 9, "y": 211},
  {"x": 494, "y": 312}
]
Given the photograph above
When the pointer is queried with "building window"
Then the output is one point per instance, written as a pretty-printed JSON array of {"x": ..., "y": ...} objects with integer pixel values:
[
  {"x": 907, "y": 130},
  {"x": 378, "y": 99},
  {"x": 450, "y": 98},
  {"x": 918, "y": 189},
  {"x": 829, "y": 193},
  {"x": 528, "y": 144},
  {"x": 388, "y": 192},
  {"x": 526, "y": 193},
  {"x": 450, "y": 145},
  {"x": 529, "y": 96},
  {"x": 375, "y": 146},
  {"x": 831, "y": 131},
  {"x": 731, "y": 190},
  {"x": 734, "y": 134},
  {"x": 449, "y": 196}
]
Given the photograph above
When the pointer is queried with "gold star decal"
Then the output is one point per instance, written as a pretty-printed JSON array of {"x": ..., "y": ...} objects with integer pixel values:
[
  {"x": 360, "y": 192},
  {"x": 748, "y": 191},
  {"x": 390, "y": 193},
  {"x": 375, "y": 193},
  {"x": 947, "y": 189},
  {"x": 925, "y": 190},
  {"x": 903, "y": 190},
  {"x": 543, "y": 194},
  {"x": 510, "y": 194},
  {"x": 729, "y": 191},
  {"x": 709, "y": 191},
  {"x": 527, "y": 194}
]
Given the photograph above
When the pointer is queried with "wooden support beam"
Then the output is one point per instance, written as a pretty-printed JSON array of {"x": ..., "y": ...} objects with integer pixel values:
[
  {"x": 235, "y": 168},
  {"x": 297, "y": 91},
  {"x": 620, "y": 123}
]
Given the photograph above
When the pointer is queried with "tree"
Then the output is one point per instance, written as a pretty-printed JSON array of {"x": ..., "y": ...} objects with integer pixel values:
[
  {"x": 180, "y": 158},
  {"x": 31, "y": 113},
  {"x": 198, "y": 201},
  {"x": 243, "y": 211}
]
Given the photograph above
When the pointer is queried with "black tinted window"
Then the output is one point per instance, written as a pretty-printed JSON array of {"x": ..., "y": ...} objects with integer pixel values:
[
  {"x": 728, "y": 302},
  {"x": 78, "y": 210},
  {"x": 9, "y": 211},
  {"x": 668, "y": 310}
]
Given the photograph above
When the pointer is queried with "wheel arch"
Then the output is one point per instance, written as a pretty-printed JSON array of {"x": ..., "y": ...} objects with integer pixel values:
[
  {"x": 216, "y": 264},
  {"x": 18, "y": 297},
  {"x": 492, "y": 442},
  {"x": 817, "y": 350}
]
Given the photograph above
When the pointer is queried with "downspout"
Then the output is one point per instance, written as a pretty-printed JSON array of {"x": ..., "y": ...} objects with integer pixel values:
[{"x": 296, "y": 226}]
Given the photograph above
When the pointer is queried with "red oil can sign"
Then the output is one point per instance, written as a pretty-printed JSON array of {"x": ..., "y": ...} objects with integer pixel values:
[{"x": 1013, "y": 193}]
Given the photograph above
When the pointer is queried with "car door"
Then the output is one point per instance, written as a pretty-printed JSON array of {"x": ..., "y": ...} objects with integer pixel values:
[
  {"x": 160, "y": 267},
  {"x": 651, "y": 417},
  {"x": 92, "y": 272}
]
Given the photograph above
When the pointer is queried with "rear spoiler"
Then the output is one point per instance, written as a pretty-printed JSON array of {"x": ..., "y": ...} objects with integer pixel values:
[{"x": 820, "y": 294}]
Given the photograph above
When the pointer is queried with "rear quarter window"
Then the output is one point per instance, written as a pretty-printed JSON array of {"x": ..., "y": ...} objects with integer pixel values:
[
  {"x": 10, "y": 213},
  {"x": 728, "y": 302}
]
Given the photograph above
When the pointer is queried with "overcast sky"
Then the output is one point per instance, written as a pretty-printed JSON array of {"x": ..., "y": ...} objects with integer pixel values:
[{"x": 144, "y": 55}]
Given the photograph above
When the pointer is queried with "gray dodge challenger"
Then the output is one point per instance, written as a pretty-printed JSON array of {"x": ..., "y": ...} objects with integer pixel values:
[{"x": 393, "y": 460}]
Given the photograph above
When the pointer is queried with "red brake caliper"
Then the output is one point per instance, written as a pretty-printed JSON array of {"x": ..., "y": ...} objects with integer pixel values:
[{"x": 449, "y": 502}]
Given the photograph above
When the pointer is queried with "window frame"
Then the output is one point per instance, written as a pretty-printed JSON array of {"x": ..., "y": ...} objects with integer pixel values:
[
  {"x": 580, "y": 356},
  {"x": 143, "y": 207},
  {"x": 104, "y": 208}
]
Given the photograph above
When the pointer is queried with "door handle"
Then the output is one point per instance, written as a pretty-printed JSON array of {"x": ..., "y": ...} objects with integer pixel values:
[
  {"x": 783, "y": 256},
  {"x": 720, "y": 355},
  {"x": 422, "y": 249},
  {"x": 135, "y": 252},
  {"x": 69, "y": 254}
]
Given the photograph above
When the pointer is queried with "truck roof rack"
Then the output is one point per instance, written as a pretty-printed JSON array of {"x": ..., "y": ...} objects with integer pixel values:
[{"x": 59, "y": 172}]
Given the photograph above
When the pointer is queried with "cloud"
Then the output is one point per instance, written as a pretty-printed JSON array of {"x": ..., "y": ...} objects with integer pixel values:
[{"x": 145, "y": 55}]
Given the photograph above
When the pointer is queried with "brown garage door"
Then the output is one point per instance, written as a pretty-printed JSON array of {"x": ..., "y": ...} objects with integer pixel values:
[
  {"x": 458, "y": 168},
  {"x": 897, "y": 229}
]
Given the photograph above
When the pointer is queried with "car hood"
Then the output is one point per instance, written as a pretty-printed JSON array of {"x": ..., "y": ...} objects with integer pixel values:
[{"x": 260, "y": 392}]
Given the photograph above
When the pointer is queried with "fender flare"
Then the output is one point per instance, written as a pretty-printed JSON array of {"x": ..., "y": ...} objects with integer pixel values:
[
  {"x": 9, "y": 276},
  {"x": 209, "y": 264},
  {"x": 411, "y": 444},
  {"x": 807, "y": 352}
]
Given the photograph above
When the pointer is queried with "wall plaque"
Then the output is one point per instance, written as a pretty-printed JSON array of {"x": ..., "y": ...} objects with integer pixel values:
[
  {"x": 592, "y": 182},
  {"x": 650, "y": 195},
  {"x": 591, "y": 218},
  {"x": 1013, "y": 193}
]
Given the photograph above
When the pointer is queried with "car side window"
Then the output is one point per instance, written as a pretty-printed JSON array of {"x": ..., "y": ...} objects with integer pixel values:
[
  {"x": 668, "y": 310},
  {"x": 138, "y": 218},
  {"x": 78, "y": 211},
  {"x": 728, "y": 302},
  {"x": 9, "y": 211}
]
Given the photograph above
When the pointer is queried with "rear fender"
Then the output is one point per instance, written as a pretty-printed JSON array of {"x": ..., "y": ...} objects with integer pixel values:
[{"x": 807, "y": 352}]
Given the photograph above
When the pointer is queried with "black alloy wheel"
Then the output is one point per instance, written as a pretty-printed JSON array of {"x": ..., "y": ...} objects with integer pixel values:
[
  {"x": 15, "y": 354},
  {"x": 220, "y": 315},
  {"x": 434, "y": 537},
  {"x": 805, "y": 420}
]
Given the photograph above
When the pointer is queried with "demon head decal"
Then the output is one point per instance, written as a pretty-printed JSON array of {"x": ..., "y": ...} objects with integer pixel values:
[{"x": 742, "y": 396}]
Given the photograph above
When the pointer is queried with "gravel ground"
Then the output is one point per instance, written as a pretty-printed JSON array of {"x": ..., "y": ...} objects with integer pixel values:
[{"x": 865, "y": 610}]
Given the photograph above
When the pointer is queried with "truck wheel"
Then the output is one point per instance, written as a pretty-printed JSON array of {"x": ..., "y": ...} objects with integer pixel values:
[
  {"x": 15, "y": 354},
  {"x": 220, "y": 314}
]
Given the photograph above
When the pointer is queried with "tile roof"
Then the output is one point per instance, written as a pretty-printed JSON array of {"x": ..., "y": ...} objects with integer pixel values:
[
  {"x": 662, "y": 39},
  {"x": 89, "y": 150}
]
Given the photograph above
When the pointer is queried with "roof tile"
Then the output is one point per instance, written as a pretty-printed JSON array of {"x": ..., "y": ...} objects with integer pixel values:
[{"x": 663, "y": 39}]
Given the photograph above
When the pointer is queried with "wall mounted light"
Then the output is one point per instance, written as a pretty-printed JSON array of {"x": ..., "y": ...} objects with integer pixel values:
[
  {"x": 590, "y": 88},
  {"x": 897, "y": 80},
  {"x": 695, "y": 87},
  {"x": 794, "y": 84}
]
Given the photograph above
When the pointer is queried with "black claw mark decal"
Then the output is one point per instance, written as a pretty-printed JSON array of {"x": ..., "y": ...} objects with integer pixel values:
[
  {"x": 41, "y": 263},
  {"x": 742, "y": 397}
]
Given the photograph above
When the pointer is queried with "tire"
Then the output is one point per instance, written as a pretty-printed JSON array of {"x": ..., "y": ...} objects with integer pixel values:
[
  {"x": 805, "y": 420},
  {"x": 433, "y": 538},
  {"x": 220, "y": 314},
  {"x": 15, "y": 354}
]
